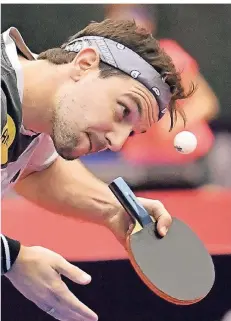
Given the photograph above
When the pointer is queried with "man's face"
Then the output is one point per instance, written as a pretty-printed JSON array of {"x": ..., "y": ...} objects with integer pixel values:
[{"x": 94, "y": 114}]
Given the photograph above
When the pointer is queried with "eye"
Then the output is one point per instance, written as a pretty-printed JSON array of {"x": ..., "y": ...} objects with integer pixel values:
[
  {"x": 132, "y": 133},
  {"x": 125, "y": 110}
]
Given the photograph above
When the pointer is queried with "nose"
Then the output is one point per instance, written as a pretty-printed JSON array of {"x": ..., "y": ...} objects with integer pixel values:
[{"x": 117, "y": 138}]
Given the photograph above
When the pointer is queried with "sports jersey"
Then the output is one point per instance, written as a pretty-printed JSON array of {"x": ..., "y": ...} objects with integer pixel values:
[{"x": 20, "y": 148}]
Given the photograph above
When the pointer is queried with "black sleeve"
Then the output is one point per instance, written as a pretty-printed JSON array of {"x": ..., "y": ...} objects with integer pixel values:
[{"x": 9, "y": 253}]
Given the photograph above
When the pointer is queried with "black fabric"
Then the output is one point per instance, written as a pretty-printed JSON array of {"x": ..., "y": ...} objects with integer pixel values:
[{"x": 14, "y": 248}]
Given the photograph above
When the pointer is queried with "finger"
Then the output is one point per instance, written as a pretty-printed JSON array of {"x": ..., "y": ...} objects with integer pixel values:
[
  {"x": 64, "y": 316},
  {"x": 47, "y": 308},
  {"x": 69, "y": 306},
  {"x": 157, "y": 210},
  {"x": 74, "y": 317},
  {"x": 85, "y": 312},
  {"x": 72, "y": 272},
  {"x": 163, "y": 224}
]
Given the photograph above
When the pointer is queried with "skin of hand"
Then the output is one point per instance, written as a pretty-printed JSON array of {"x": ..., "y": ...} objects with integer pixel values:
[
  {"x": 37, "y": 275},
  {"x": 121, "y": 224}
]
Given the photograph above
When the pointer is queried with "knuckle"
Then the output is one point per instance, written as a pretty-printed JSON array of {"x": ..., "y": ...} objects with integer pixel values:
[
  {"x": 41, "y": 306},
  {"x": 47, "y": 305},
  {"x": 59, "y": 257},
  {"x": 56, "y": 287},
  {"x": 158, "y": 204},
  {"x": 168, "y": 219},
  {"x": 44, "y": 307}
]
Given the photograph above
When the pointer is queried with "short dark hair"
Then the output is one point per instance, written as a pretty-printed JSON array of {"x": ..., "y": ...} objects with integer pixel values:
[{"x": 140, "y": 41}]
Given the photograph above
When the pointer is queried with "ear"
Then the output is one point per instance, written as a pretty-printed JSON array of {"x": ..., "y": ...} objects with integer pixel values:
[{"x": 87, "y": 59}]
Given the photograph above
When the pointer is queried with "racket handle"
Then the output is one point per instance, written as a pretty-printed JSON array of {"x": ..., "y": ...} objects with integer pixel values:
[{"x": 129, "y": 201}]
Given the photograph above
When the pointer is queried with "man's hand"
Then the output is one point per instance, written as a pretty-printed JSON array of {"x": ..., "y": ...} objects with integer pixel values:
[
  {"x": 36, "y": 274},
  {"x": 120, "y": 223}
]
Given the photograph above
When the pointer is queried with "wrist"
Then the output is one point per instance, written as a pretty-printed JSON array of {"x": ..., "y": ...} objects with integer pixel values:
[
  {"x": 10, "y": 250},
  {"x": 102, "y": 204},
  {"x": 110, "y": 209},
  {"x": 24, "y": 256}
]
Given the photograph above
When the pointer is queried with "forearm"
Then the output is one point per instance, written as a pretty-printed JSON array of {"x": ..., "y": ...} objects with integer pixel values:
[{"x": 68, "y": 188}]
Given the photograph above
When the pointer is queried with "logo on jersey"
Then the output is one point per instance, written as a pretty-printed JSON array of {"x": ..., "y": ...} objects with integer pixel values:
[{"x": 7, "y": 138}]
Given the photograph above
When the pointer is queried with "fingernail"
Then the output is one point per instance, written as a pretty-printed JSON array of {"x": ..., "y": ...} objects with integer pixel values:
[
  {"x": 95, "y": 318},
  {"x": 163, "y": 230},
  {"x": 86, "y": 278}
]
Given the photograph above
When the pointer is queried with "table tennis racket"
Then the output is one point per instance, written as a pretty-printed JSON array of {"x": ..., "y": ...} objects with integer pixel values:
[{"x": 176, "y": 267}]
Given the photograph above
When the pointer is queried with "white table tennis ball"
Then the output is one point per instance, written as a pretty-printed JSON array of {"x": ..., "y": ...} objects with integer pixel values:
[{"x": 185, "y": 142}]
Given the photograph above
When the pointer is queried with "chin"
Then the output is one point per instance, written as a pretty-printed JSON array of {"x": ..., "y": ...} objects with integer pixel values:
[
  {"x": 67, "y": 153},
  {"x": 73, "y": 154},
  {"x": 71, "y": 149},
  {"x": 68, "y": 157}
]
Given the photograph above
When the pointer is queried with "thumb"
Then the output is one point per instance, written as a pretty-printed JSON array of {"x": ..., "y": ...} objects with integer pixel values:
[
  {"x": 163, "y": 225},
  {"x": 72, "y": 272}
]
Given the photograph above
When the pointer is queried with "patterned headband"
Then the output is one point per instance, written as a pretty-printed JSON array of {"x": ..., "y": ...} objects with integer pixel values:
[{"x": 126, "y": 60}]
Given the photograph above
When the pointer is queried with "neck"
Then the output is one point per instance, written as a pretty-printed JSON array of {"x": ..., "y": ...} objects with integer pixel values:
[{"x": 40, "y": 81}]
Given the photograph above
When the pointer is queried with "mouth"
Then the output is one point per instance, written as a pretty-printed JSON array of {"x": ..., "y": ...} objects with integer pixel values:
[
  {"x": 95, "y": 144},
  {"x": 90, "y": 143}
]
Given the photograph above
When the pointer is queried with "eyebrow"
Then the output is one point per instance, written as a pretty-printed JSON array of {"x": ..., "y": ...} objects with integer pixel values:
[{"x": 136, "y": 100}]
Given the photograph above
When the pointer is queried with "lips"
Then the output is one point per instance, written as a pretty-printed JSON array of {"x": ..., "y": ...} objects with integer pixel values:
[
  {"x": 90, "y": 143},
  {"x": 96, "y": 145}
]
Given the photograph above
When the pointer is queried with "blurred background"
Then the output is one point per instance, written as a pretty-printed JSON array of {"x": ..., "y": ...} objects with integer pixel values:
[{"x": 194, "y": 187}]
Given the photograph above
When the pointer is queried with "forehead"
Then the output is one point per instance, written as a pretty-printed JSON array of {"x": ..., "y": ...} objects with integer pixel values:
[{"x": 145, "y": 100}]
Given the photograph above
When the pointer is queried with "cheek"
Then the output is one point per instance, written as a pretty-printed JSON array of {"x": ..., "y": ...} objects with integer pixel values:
[
  {"x": 66, "y": 98},
  {"x": 101, "y": 115},
  {"x": 90, "y": 105},
  {"x": 68, "y": 114}
]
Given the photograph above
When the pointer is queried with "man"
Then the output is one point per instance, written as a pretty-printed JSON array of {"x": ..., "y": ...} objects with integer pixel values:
[{"x": 108, "y": 81}]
